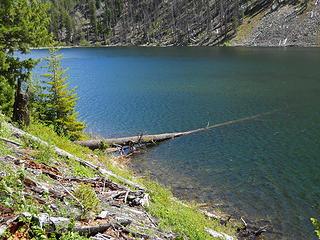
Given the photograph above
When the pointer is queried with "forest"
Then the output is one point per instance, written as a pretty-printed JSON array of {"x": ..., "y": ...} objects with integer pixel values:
[{"x": 138, "y": 22}]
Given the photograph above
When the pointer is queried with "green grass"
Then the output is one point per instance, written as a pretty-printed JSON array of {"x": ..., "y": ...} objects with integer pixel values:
[
  {"x": 181, "y": 217},
  {"x": 173, "y": 215},
  {"x": 46, "y": 133}
]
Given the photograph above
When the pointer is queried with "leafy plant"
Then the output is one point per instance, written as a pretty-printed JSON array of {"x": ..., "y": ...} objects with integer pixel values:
[
  {"x": 316, "y": 223},
  {"x": 72, "y": 236},
  {"x": 88, "y": 198},
  {"x": 79, "y": 170}
]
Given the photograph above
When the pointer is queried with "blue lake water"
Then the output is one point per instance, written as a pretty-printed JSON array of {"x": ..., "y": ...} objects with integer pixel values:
[{"x": 266, "y": 169}]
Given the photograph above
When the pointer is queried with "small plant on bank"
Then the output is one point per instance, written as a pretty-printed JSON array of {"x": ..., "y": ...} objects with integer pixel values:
[
  {"x": 316, "y": 223},
  {"x": 72, "y": 236},
  {"x": 88, "y": 198}
]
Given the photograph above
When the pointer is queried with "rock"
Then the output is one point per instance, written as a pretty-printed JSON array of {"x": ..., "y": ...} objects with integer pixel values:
[
  {"x": 26, "y": 214},
  {"x": 124, "y": 221},
  {"x": 44, "y": 219},
  {"x": 104, "y": 214},
  {"x": 60, "y": 222}
]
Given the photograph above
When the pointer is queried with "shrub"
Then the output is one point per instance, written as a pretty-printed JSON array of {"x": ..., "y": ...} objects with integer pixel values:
[
  {"x": 316, "y": 223},
  {"x": 84, "y": 43},
  {"x": 88, "y": 198}
]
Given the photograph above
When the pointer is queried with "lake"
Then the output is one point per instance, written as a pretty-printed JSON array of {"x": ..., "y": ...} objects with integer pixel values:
[{"x": 266, "y": 169}]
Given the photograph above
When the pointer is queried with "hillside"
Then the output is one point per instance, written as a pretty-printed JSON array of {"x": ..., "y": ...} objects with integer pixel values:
[
  {"x": 51, "y": 193},
  {"x": 187, "y": 22}
]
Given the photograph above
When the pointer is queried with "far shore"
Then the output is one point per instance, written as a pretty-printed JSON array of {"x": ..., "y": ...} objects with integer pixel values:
[{"x": 168, "y": 46}]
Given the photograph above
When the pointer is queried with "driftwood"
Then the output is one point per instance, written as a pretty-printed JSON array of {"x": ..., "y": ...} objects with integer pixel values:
[{"x": 149, "y": 139}]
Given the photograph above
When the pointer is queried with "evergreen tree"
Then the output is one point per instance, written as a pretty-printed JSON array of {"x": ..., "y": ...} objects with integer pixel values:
[
  {"x": 68, "y": 28},
  {"x": 93, "y": 17},
  {"x": 22, "y": 25},
  {"x": 60, "y": 102}
]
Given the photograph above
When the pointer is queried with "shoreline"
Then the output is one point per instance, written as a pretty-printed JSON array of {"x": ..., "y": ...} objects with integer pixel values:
[{"x": 173, "y": 46}]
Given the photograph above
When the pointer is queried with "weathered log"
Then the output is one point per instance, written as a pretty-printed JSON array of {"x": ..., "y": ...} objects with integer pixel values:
[
  {"x": 19, "y": 133},
  {"x": 147, "y": 139},
  {"x": 100, "y": 228},
  {"x": 218, "y": 234},
  {"x": 10, "y": 141},
  {"x": 4, "y": 226}
]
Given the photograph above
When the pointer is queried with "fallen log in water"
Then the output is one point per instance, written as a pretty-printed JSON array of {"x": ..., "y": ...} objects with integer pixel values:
[{"x": 147, "y": 139}]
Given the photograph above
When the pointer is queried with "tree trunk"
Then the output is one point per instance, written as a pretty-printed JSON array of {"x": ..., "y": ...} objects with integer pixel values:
[
  {"x": 147, "y": 139},
  {"x": 20, "y": 108}
]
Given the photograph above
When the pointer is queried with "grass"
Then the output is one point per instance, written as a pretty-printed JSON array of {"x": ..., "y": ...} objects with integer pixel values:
[{"x": 181, "y": 217}]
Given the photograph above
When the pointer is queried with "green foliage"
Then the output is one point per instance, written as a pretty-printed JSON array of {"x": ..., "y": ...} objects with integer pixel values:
[
  {"x": 66, "y": 25},
  {"x": 316, "y": 224},
  {"x": 183, "y": 218},
  {"x": 48, "y": 134},
  {"x": 84, "y": 43},
  {"x": 45, "y": 154},
  {"x": 60, "y": 102},
  {"x": 11, "y": 193},
  {"x": 98, "y": 44},
  {"x": 88, "y": 198},
  {"x": 4, "y": 130},
  {"x": 22, "y": 25},
  {"x": 72, "y": 236},
  {"x": 79, "y": 170}
]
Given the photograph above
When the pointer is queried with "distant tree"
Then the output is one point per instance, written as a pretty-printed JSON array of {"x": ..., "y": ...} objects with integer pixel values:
[
  {"x": 22, "y": 25},
  {"x": 98, "y": 4},
  {"x": 93, "y": 17},
  {"x": 61, "y": 102},
  {"x": 68, "y": 25}
]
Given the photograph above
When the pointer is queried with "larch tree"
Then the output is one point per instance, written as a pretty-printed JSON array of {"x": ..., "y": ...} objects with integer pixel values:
[{"x": 60, "y": 102}]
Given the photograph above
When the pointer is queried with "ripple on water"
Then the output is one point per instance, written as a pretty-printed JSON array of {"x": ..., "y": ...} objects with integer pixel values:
[{"x": 264, "y": 169}]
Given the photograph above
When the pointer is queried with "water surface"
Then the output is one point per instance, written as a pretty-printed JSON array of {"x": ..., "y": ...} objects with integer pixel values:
[{"x": 264, "y": 169}]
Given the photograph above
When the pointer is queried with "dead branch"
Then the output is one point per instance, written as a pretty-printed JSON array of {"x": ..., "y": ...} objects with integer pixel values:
[{"x": 78, "y": 201}]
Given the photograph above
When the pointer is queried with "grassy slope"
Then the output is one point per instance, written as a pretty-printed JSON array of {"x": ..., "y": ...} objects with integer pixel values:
[{"x": 183, "y": 218}]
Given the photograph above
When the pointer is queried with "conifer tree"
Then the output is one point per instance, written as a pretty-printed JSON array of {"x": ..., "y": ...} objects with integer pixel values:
[
  {"x": 61, "y": 102},
  {"x": 22, "y": 25}
]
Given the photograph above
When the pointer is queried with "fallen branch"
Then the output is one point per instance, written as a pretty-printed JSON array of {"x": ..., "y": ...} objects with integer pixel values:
[{"x": 148, "y": 139}]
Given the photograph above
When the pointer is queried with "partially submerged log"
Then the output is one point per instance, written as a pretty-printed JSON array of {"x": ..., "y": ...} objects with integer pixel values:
[{"x": 148, "y": 139}]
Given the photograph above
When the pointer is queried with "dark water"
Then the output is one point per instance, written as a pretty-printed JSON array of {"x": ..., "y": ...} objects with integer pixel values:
[{"x": 266, "y": 169}]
